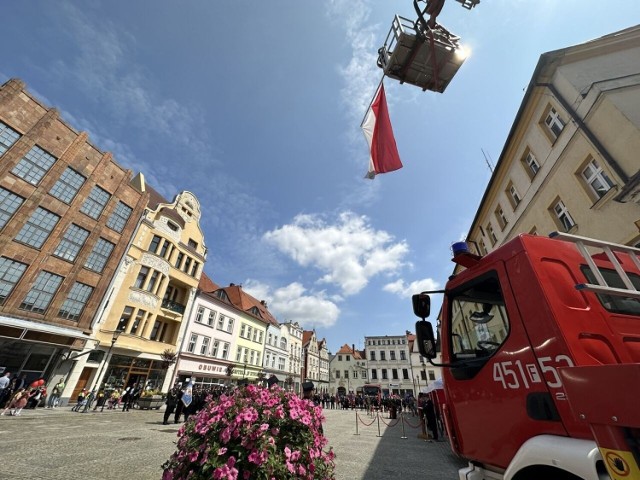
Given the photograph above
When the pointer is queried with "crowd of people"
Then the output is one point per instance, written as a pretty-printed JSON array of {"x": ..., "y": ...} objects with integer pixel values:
[{"x": 16, "y": 394}]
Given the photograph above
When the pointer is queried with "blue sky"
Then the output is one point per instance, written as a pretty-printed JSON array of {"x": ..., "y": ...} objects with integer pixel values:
[{"x": 255, "y": 107}]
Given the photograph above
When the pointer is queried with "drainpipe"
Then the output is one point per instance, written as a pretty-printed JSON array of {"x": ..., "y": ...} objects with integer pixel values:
[{"x": 592, "y": 138}]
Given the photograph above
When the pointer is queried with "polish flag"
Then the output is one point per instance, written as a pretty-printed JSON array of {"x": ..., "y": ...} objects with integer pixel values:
[{"x": 379, "y": 134}]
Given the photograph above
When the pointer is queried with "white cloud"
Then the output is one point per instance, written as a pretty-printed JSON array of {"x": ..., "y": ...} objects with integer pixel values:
[
  {"x": 349, "y": 252},
  {"x": 404, "y": 290},
  {"x": 294, "y": 303}
]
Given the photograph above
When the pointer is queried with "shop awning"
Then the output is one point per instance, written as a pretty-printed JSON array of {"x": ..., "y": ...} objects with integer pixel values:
[{"x": 28, "y": 330}]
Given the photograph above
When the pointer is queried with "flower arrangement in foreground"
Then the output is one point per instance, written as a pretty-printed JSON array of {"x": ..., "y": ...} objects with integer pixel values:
[{"x": 253, "y": 433}]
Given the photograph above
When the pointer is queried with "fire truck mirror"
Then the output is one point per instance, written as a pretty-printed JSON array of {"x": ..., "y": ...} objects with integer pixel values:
[
  {"x": 426, "y": 339},
  {"x": 421, "y": 305}
]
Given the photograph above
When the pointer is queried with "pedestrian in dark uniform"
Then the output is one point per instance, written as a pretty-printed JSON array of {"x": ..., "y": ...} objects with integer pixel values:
[
  {"x": 179, "y": 404},
  {"x": 173, "y": 397}
]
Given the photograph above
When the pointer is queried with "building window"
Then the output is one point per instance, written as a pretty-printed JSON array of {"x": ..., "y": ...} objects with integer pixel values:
[
  {"x": 531, "y": 164},
  {"x": 8, "y": 136},
  {"x": 502, "y": 220},
  {"x": 513, "y": 195},
  {"x": 403, "y": 355},
  {"x": 211, "y": 318},
  {"x": 204, "y": 348},
  {"x": 230, "y": 325},
  {"x": 193, "y": 244},
  {"x": 220, "y": 322},
  {"x": 432, "y": 375},
  {"x": 423, "y": 375},
  {"x": 125, "y": 318},
  {"x": 192, "y": 343},
  {"x": 155, "y": 330},
  {"x": 187, "y": 264},
  {"x": 10, "y": 274},
  {"x": 281, "y": 364},
  {"x": 562, "y": 216},
  {"x": 164, "y": 248},
  {"x": 67, "y": 186},
  {"x": 384, "y": 374},
  {"x": 483, "y": 247},
  {"x": 152, "y": 281},
  {"x": 554, "y": 123},
  {"x": 95, "y": 202},
  {"x": 34, "y": 165},
  {"x": 492, "y": 236},
  {"x": 199, "y": 314},
  {"x": 71, "y": 243},
  {"x": 392, "y": 354},
  {"x": 75, "y": 302},
  {"x": 179, "y": 259},
  {"x": 37, "y": 228},
  {"x": 382, "y": 356},
  {"x": 138, "y": 320},
  {"x": 225, "y": 350},
  {"x": 99, "y": 255},
  {"x": 596, "y": 178},
  {"x": 243, "y": 330},
  {"x": 372, "y": 355},
  {"x": 405, "y": 374},
  {"x": 194, "y": 269},
  {"x": 394, "y": 373},
  {"x": 155, "y": 242},
  {"x": 119, "y": 217},
  {"x": 214, "y": 349},
  {"x": 142, "y": 277},
  {"x": 41, "y": 293},
  {"x": 9, "y": 203},
  {"x": 346, "y": 374},
  {"x": 283, "y": 343}
]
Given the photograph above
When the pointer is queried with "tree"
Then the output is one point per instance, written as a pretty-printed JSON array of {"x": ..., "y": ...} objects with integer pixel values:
[{"x": 168, "y": 358}]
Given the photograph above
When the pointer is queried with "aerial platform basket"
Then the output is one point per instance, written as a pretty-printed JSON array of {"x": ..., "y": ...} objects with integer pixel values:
[{"x": 426, "y": 57}]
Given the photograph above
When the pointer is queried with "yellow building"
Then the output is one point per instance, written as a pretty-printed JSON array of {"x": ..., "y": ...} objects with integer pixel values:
[
  {"x": 145, "y": 311},
  {"x": 570, "y": 161}
]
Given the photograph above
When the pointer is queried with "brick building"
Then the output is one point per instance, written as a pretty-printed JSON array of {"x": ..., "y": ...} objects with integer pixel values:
[{"x": 67, "y": 213}]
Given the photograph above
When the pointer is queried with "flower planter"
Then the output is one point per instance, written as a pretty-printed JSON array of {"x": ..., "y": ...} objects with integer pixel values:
[{"x": 148, "y": 403}]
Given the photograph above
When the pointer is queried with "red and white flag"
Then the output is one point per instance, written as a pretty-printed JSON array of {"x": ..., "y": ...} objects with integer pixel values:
[{"x": 379, "y": 134}]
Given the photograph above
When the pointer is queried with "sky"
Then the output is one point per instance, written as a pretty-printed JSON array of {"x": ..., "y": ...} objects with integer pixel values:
[{"x": 255, "y": 107}]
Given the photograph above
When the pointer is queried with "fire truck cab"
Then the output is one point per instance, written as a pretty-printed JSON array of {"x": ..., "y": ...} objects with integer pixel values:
[{"x": 530, "y": 335}]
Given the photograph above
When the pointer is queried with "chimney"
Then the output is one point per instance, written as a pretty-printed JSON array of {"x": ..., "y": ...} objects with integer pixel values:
[
  {"x": 353, "y": 348},
  {"x": 232, "y": 284},
  {"x": 264, "y": 303}
]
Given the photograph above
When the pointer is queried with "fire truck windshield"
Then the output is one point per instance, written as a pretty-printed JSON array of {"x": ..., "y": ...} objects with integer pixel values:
[{"x": 479, "y": 321}]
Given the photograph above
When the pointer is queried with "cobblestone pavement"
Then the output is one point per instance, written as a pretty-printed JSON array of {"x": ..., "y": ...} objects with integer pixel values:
[{"x": 64, "y": 445}]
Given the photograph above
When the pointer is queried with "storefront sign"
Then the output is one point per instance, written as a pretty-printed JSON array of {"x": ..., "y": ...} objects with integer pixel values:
[{"x": 186, "y": 365}]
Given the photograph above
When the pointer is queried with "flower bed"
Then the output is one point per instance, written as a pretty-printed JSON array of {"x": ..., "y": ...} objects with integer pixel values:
[{"x": 254, "y": 433}]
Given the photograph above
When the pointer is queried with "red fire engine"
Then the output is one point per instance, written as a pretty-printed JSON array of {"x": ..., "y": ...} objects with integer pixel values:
[{"x": 540, "y": 341}]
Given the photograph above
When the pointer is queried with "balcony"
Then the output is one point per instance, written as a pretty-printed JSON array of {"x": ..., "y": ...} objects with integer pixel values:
[{"x": 173, "y": 306}]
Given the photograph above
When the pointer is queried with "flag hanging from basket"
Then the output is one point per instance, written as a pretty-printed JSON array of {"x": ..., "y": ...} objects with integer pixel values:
[{"x": 377, "y": 129}]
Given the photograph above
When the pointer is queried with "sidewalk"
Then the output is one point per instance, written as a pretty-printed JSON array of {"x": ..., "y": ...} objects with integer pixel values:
[
  {"x": 94, "y": 445},
  {"x": 372, "y": 457}
]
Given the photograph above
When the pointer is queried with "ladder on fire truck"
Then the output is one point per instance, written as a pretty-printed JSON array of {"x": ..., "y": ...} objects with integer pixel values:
[
  {"x": 609, "y": 249},
  {"x": 613, "y": 419}
]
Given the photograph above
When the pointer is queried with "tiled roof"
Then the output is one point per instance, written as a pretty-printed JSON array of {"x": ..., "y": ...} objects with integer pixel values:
[
  {"x": 207, "y": 285},
  {"x": 306, "y": 336},
  {"x": 245, "y": 302}
]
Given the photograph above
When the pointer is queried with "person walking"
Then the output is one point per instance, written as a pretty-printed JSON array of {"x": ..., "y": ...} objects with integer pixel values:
[
  {"x": 131, "y": 396},
  {"x": 5, "y": 387},
  {"x": 56, "y": 392}
]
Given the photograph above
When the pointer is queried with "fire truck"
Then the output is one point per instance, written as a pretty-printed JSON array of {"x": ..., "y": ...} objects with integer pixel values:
[{"x": 540, "y": 344}]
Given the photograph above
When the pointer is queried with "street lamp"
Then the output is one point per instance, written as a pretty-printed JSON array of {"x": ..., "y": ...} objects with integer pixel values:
[{"x": 116, "y": 334}]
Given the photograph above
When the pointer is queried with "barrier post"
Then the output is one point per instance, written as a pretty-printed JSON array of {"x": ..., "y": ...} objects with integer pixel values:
[
  {"x": 378, "y": 417},
  {"x": 404, "y": 437},
  {"x": 357, "y": 424}
]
